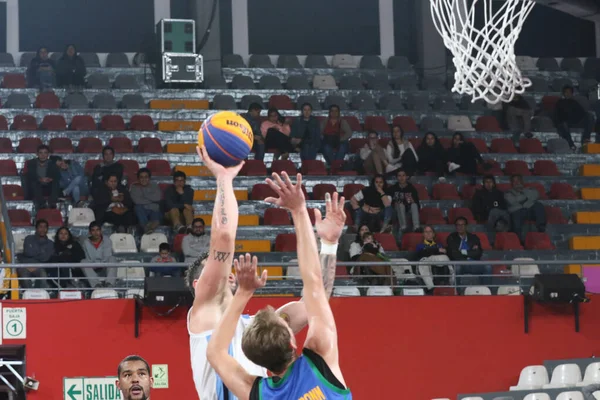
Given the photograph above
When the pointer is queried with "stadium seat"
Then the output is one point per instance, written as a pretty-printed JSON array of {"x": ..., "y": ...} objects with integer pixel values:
[
  {"x": 52, "y": 215},
  {"x": 492, "y": 167},
  {"x": 502, "y": 145},
  {"x": 285, "y": 242},
  {"x": 254, "y": 168},
  {"x": 112, "y": 123},
  {"x": 123, "y": 243},
  {"x": 407, "y": 124},
  {"x": 104, "y": 294},
  {"x": 562, "y": 191},
  {"x": 531, "y": 378},
  {"x": 13, "y": 192},
  {"x": 564, "y": 375},
  {"x": 316, "y": 61},
  {"x": 89, "y": 145},
  {"x": 70, "y": 295},
  {"x": 76, "y": 101},
  {"x": 571, "y": 395},
  {"x": 35, "y": 294},
  {"x": 454, "y": 213},
  {"x": 312, "y": 100},
  {"x": 507, "y": 241},
  {"x": 346, "y": 291},
  {"x": 90, "y": 165},
  {"x": 531, "y": 146},
  {"x": 224, "y": 102},
  {"x": 260, "y": 61},
  {"x": 509, "y": 291},
  {"x": 104, "y": 101},
  {"x": 445, "y": 191},
  {"x": 362, "y": 102},
  {"x": 380, "y": 291},
  {"x": 276, "y": 216},
  {"x": 61, "y": 145},
  {"x": 130, "y": 168},
  {"x": 313, "y": 167},
  {"x": 151, "y": 241},
  {"x": 149, "y": 145},
  {"x": 14, "y": 81},
  {"x": 281, "y": 102},
  {"x": 410, "y": 241},
  {"x": 242, "y": 82},
  {"x": 538, "y": 241},
  {"x": 23, "y": 122},
  {"x": 298, "y": 82},
  {"x": 351, "y": 82},
  {"x": 29, "y": 145},
  {"x": 467, "y": 191},
  {"x": 47, "y": 100},
  {"x": 545, "y": 168},
  {"x": 121, "y": 144},
  {"x": 324, "y": 82},
  {"x": 547, "y": 64},
  {"x": 19, "y": 217},
  {"x": 487, "y": 123},
  {"x": 159, "y": 167},
  {"x": 288, "y": 61},
  {"x": 477, "y": 291},
  {"x": 387, "y": 241},
  {"x": 81, "y": 217},
  {"x": 261, "y": 191},
  {"x": 141, "y": 123},
  {"x": 337, "y": 100},
  {"x": 83, "y": 123},
  {"x": 460, "y": 123},
  {"x": 54, "y": 123},
  {"x": 278, "y": 166},
  {"x": 479, "y": 145},
  {"x": 8, "y": 168},
  {"x": 350, "y": 189},
  {"x": 485, "y": 242},
  {"x": 554, "y": 215},
  {"x": 98, "y": 81},
  {"x": 391, "y": 102},
  {"x": 517, "y": 167},
  {"x": 549, "y": 103},
  {"x": 591, "y": 375},
  {"x": 6, "y": 145},
  {"x": 125, "y": 81},
  {"x": 376, "y": 123},
  {"x": 233, "y": 61},
  {"x": 431, "y": 216},
  {"x": 3, "y": 123},
  {"x": 320, "y": 189},
  {"x": 431, "y": 124},
  {"x": 133, "y": 101},
  {"x": 421, "y": 191}
]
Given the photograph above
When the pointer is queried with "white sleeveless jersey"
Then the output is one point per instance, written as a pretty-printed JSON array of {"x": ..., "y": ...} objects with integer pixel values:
[{"x": 208, "y": 384}]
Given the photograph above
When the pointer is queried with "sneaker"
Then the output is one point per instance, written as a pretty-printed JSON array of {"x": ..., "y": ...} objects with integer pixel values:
[{"x": 442, "y": 179}]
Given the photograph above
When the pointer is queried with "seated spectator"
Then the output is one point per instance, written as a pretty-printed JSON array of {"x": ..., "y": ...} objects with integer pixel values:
[
  {"x": 430, "y": 250},
  {"x": 196, "y": 243},
  {"x": 66, "y": 250},
  {"x": 570, "y": 114},
  {"x": 370, "y": 252},
  {"x": 516, "y": 111},
  {"x": 465, "y": 246},
  {"x": 37, "y": 249},
  {"x": 400, "y": 153},
  {"x": 98, "y": 249},
  {"x": 112, "y": 204},
  {"x": 489, "y": 206},
  {"x": 432, "y": 155},
  {"x": 253, "y": 118},
  {"x": 405, "y": 198},
  {"x": 356, "y": 248},
  {"x": 372, "y": 205},
  {"x": 42, "y": 179},
  {"x": 179, "y": 198},
  {"x": 42, "y": 70},
  {"x": 72, "y": 180},
  {"x": 276, "y": 133},
  {"x": 146, "y": 197},
  {"x": 306, "y": 134},
  {"x": 372, "y": 156},
  {"x": 523, "y": 204},
  {"x": 462, "y": 157},
  {"x": 70, "y": 71},
  {"x": 164, "y": 256},
  {"x": 336, "y": 133},
  {"x": 108, "y": 167}
]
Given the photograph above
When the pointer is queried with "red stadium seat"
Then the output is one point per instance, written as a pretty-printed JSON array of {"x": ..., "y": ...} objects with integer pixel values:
[
  {"x": 531, "y": 146},
  {"x": 24, "y": 122},
  {"x": 383, "y": 142},
  {"x": 313, "y": 167},
  {"x": 507, "y": 241},
  {"x": 19, "y": 217},
  {"x": 149, "y": 145},
  {"x": 276, "y": 216},
  {"x": 431, "y": 216},
  {"x": 503, "y": 145},
  {"x": 178, "y": 242},
  {"x": 311, "y": 215},
  {"x": 14, "y": 81},
  {"x": 540, "y": 189},
  {"x": 411, "y": 240},
  {"x": 517, "y": 167},
  {"x": 353, "y": 122},
  {"x": 407, "y": 124},
  {"x": 286, "y": 242},
  {"x": 376, "y": 123},
  {"x": 444, "y": 291},
  {"x": 61, "y": 145},
  {"x": 90, "y": 165},
  {"x": 254, "y": 168},
  {"x": 261, "y": 191},
  {"x": 487, "y": 123},
  {"x": 112, "y": 123},
  {"x": 445, "y": 191},
  {"x": 545, "y": 168},
  {"x": 13, "y": 192},
  {"x": 121, "y": 144},
  {"x": 288, "y": 166},
  {"x": 350, "y": 189},
  {"x": 3, "y": 123},
  {"x": 538, "y": 241},
  {"x": 454, "y": 213},
  {"x": 503, "y": 187},
  {"x": 446, "y": 142},
  {"x": 479, "y": 145},
  {"x": 442, "y": 238},
  {"x": 387, "y": 241},
  {"x": 304, "y": 191},
  {"x": 29, "y": 145},
  {"x": 467, "y": 191},
  {"x": 491, "y": 167},
  {"x": 355, "y": 144},
  {"x": 549, "y": 103},
  {"x": 83, "y": 123},
  {"x": 501, "y": 270},
  {"x": 159, "y": 167},
  {"x": 141, "y": 123},
  {"x": 554, "y": 215},
  {"x": 281, "y": 102},
  {"x": 162, "y": 187},
  {"x": 47, "y": 100},
  {"x": 130, "y": 169},
  {"x": 562, "y": 191},
  {"x": 52, "y": 215},
  {"x": 485, "y": 242},
  {"x": 54, "y": 123},
  {"x": 89, "y": 145},
  {"x": 8, "y": 168},
  {"x": 421, "y": 191},
  {"x": 319, "y": 190},
  {"x": 5, "y": 145},
  {"x": 416, "y": 142}
]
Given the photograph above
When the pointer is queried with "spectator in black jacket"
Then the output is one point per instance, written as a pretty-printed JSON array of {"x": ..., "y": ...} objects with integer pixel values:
[
  {"x": 465, "y": 246},
  {"x": 41, "y": 71},
  {"x": 112, "y": 203},
  {"x": 306, "y": 134},
  {"x": 405, "y": 198},
  {"x": 253, "y": 118},
  {"x": 66, "y": 250},
  {"x": 179, "y": 198},
  {"x": 516, "y": 110},
  {"x": 37, "y": 249},
  {"x": 70, "y": 71},
  {"x": 570, "y": 114},
  {"x": 108, "y": 167},
  {"x": 432, "y": 155},
  {"x": 42, "y": 179},
  {"x": 372, "y": 204},
  {"x": 463, "y": 156},
  {"x": 489, "y": 206}
]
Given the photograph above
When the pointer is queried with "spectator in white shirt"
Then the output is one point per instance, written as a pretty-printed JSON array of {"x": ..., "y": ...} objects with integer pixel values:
[
  {"x": 195, "y": 243},
  {"x": 373, "y": 156},
  {"x": 400, "y": 153}
]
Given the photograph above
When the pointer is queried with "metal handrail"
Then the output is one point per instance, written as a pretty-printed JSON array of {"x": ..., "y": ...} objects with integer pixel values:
[{"x": 10, "y": 241}]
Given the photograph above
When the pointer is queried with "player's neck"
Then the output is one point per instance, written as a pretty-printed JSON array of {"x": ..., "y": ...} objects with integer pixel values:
[{"x": 282, "y": 373}]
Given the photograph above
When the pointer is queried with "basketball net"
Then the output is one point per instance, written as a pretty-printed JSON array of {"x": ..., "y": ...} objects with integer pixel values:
[{"x": 484, "y": 57}]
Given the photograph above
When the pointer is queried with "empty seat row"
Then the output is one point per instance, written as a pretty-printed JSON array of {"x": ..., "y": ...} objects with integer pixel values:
[
  {"x": 94, "y": 81},
  {"x": 113, "y": 60},
  {"x": 49, "y": 100},
  {"x": 24, "y": 122},
  {"x": 316, "y": 61},
  {"x": 565, "y": 375}
]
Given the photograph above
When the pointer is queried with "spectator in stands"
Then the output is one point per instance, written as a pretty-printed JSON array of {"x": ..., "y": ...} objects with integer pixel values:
[
  {"x": 465, "y": 246},
  {"x": 306, "y": 134},
  {"x": 372, "y": 204},
  {"x": 570, "y": 114},
  {"x": 112, "y": 204},
  {"x": 372, "y": 251},
  {"x": 108, "y": 167},
  {"x": 430, "y": 250},
  {"x": 42, "y": 179},
  {"x": 179, "y": 198},
  {"x": 276, "y": 133},
  {"x": 356, "y": 248},
  {"x": 70, "y": 71},
  {"x": 37, "y": 249},
  {"x": 372, "y": 156},
  {"x": 66, "y": 250},
  {"x": 164, "y": 256},
  {"x": 196, "y": 243},
  {"x": 98, "y": 249},
  {"x": 523, "y": 204},
  {"x": 405, "y": 198},
  {"x": 400, "y": 153},
  {"x": 146, "y": 197},
  {"x": 253, "y": 118},
  {"x": 336, "y": 134},
  {"x": 489, "y": 206},
  {"x": 463, "y": 156},
  {"x": 432, "y": 156},
  {"x": 72, "y": 180},
  {"x": 519, "y": 109},
  {"x": 42, "y": 70}
]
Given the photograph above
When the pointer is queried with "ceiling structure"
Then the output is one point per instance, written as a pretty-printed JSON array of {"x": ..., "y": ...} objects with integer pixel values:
[{"x": 586, "y": 9}]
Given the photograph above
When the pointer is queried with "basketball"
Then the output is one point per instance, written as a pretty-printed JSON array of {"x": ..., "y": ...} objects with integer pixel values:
[{"x": 227, "y": 136}]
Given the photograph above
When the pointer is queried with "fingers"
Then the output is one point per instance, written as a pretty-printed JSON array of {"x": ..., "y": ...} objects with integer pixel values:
[
  {"x": 271, "y": 200},
  {"x": 263, "y": 278},
  {"x": 328, "y": 209},
  {"x": 236, "y": 265},
  {"x": 341, "y": 203},
  {"x": 249, "y": 260},
  {"x": 238, "y": 168},
  {"x": 334, "y": 202},
  {"x": 204, "y": 154},
  {"x": 199, "y": 151},
  {"x": 254, "y": 261},
  {"x": 318, "y": 215},
  {"x": 274, "y": 186},
  {"x": 282, "y": 185}
]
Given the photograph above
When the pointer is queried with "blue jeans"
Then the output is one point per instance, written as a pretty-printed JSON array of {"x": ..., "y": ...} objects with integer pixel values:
[
  {"x": 535, "y": 212},
  {"x": 76, "y": 188},
  {"x": 259, "y": 151},
  {"x": 331, "y": 154},
  {"x": 46, "y": 79},
  {"x": 362, "y": 217},
  {"x": 145, "y": 215},
  {"x": 474, "y": 270},
  {"x": 308, "y": 152}
]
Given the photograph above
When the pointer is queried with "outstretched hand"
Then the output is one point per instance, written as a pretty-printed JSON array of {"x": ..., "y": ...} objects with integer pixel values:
[
  {"x": 330, "y": 228},
  {"x": 217, "y": 169},
  {"x": 290, "y": 196},
  {"x": 245, "y": 270}
]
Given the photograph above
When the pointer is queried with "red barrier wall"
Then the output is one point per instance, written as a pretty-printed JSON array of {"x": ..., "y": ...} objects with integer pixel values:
[{"x": 391, "y": 348}]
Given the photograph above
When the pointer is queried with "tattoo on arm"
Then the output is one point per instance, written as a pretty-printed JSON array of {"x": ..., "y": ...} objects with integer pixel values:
[
  {"x": 222, "y": 204},
  {"x": 221, "y": 256},
  {"x": 328, "y": 271}
]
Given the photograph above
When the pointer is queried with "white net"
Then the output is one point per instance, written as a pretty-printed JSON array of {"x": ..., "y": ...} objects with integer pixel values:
[{"x": 484, "y": 55}]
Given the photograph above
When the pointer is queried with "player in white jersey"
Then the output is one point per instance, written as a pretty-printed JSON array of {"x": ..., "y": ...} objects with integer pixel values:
[{"x": 213, "y": 284}]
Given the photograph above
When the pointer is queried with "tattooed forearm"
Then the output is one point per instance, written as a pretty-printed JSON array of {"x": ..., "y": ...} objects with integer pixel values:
[
  {"x": 221, "y": 256},
  {"x": 328, "y": 272},
  {"x": 223, "y": 211}
]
